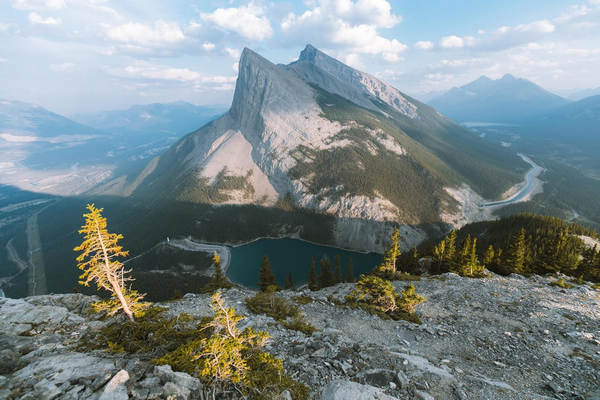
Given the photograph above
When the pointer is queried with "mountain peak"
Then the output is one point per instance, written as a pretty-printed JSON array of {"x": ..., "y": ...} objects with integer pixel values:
[
  {"x": 509, "y": 77},
  {"x": 308, "y": 54}
]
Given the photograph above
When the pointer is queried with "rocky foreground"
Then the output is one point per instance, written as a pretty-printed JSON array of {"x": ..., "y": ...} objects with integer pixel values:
[{"x": 493, "y": 338}]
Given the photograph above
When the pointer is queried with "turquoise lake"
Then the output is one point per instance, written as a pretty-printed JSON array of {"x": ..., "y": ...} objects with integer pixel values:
[{"x": 292, "y": 255}]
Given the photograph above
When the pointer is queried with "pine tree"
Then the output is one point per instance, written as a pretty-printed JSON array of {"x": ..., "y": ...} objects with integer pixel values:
[
  {"x": 326, "y": 278},
  {"x": 450, "y": 247},
  {"x": 266, "y": 278},
  {"x": 461, "y": 260},
  {"x": 414, "y": 260},
  {"x": 289, "y": 282},
  {"x": 387, "y": 268},
  {"x": 313, "y": 282},
  {"x": 515, "y": 254},
  {"x": 338, "y": 268},
  {"x": 488, "y": 256},
  {"x": 98, "y": 261},
  {"x": 219, "y": 281},
  {"x": 439, "y": 255},
  {"x": 350, "y": 271}
]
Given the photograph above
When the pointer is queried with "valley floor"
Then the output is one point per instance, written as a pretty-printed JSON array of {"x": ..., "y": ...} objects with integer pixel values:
[{"x": 493, "y": 338}]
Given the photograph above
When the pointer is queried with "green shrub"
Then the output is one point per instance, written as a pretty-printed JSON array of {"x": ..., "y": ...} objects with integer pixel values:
[
  {"x": 303, "y": 300},
  {"x": 280, "y": 309},
  {"x": 152, "y": 332},
  {"x": 272, "y": 305},
  {"x": 225, "y": 356},
  {"x": 561, "y": 283},
  {"x": 379, "y": 297}
]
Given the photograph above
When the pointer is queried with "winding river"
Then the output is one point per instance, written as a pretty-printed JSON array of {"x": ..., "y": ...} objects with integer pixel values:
[{"x": 531, "y": 185}]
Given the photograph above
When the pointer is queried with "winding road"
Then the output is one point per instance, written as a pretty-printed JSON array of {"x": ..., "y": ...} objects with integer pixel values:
[{"x": 530, "y": 185}]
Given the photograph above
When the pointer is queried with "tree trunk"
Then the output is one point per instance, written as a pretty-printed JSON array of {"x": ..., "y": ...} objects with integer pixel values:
[{"x": 113, "y": 280}]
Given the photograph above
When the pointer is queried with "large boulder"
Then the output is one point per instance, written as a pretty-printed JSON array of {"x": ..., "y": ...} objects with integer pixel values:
[{"x": 347, "y": 390}]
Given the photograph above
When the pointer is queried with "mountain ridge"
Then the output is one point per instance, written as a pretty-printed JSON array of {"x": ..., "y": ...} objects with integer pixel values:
[
  {"x": 389, "y": 160},
  {"x": 508, "y": 99}
]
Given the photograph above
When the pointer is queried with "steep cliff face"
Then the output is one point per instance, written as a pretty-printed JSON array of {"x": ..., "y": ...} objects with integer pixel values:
[{"x": 331, "y": 138}]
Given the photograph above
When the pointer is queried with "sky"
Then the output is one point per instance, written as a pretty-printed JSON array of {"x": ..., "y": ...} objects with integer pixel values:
[{"x": 74, "y": 56}]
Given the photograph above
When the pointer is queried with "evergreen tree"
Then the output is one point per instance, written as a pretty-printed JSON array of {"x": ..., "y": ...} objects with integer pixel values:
[
  {"x": 515, "y": 254},
  {"x": 289, "y": 281},
  {"x": 99, "y": 262},
  {"x": 461, "y": 262},
  {"x": 450, "y": 249},
  {"x": 326, "y": 278},
  {"x": 350, "y": 271},
  {"x": 589, "y": 268},
  {"x": 313, "y": 282},
  {"x": 414, "y": 260},
  {"x": 218, "y": 274},
  {"x": 439, "y": 255},
  {"x": 488, "y": 256},
  {"x": 219, "y": 281},
  {"x": 266, "y": 278},
  {"x": 338, "y": 268},
  {"x": 387, "y": 268}
]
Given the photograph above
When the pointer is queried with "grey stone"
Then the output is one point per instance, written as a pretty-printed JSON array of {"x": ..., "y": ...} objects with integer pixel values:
[
  {"x": 172, "y": 391},
  {"x": 377, "y": 377},
  {"x": 423, "y": 395},
  {"x": 46, "y": 390},
  {"x": 115, "y": 389},
  {"x": 9, "y": 360},
  {"x": 347, "y": 390},
  {"x": 166, "y": 374}
]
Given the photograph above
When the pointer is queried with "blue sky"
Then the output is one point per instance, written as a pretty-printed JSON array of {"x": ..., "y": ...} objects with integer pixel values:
[{"x": 85, "y": 55}]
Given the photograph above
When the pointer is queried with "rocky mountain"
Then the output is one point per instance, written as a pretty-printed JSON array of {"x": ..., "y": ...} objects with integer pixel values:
[
  {"x": 176, "y": 119},
  {"x": 491, "y": 338},
  {"x": 25, "y": 123},
  {"x": 506, "y": 100},
  {"x": 323, "y": 136}
]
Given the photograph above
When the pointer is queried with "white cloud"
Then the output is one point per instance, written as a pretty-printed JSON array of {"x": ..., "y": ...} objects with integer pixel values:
[
  {"x": 452, "y": 42},
  {"x": 370, "y": 12},
  {"x": 3, "y": 60},
  {"x": 38, "y": 4},
  {"x": 351, "y": 27},
  {"x": 152, "y": 36},
  {"x": 159, "y": 73},
  {"x": 235, "y": 53},
  {"x": 62, "y": 67},
  {"x": 543, "y": 26},
  {"x": 208, "y": 46},
  {"x": 424, "y": 45},
  {"x": 35, "y": 18},
  {"x": 248, "y": 22}
]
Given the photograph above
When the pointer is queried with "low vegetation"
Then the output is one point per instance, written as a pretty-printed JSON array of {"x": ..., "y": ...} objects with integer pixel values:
[
  {"x": 379, "y": 297},
  {"x": 222, "y": 354},
  {"x": 267, "y": 302}
]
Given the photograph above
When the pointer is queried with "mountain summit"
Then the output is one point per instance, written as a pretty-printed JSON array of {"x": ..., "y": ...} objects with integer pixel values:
[
  {"x": 508, "y": 100},
  {"x": 321, "y": 135}
]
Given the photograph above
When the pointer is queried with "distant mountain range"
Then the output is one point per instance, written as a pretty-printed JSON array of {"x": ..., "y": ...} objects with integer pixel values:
[
  {"x": 31, "y": 122},
  {"x": 47, "y": 152},
  {"x": 581, "y": 94},
  {"x": 575, "y": 123},
  {"x": 505, "y": 100},
  {"x": 321, "y": 135},
  {"x": 165, "y": 119}
]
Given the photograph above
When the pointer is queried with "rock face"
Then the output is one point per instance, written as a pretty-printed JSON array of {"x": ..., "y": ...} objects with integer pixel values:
[
  {"x": 328, "y": 138},
  {"x": 492, "y": 338}
]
